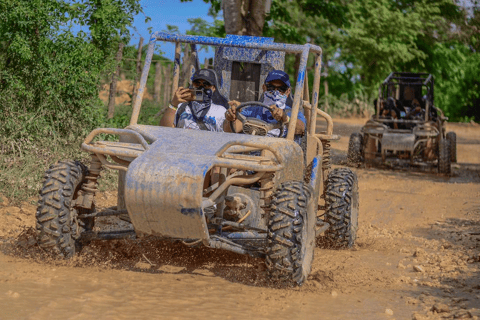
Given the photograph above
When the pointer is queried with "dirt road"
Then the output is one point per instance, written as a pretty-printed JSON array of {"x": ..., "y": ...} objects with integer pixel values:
[{"x": 417, "y": 257}]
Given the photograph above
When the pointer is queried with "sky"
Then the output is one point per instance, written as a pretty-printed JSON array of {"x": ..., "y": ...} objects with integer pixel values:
[{"x": 172, "y": 12}]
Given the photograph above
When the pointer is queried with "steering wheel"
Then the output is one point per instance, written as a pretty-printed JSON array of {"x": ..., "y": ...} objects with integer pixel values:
[{"x": 255, "y": 126}]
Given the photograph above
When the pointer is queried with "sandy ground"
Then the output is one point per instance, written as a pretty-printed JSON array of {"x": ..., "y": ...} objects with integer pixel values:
[{"x": 417, "y": 257}]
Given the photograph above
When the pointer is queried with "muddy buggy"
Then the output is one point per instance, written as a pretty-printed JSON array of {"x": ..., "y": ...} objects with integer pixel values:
[
  {"x": 406, "y": 129},
  {"x": 281, "y": 197}
]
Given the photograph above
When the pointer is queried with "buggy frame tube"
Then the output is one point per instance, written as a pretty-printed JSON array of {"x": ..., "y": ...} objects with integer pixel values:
[
  {"x": 298, "y": 92},
  {"x": 231, "y": 41},
  {"x": 316, "y": 86}
]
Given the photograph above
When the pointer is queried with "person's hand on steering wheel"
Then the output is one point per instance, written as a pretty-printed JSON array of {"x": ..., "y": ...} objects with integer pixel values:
[
  {"x": 253, "y": 124},
  {"x": 230, "y": 115},
  {"x": 279, "y": 114}
]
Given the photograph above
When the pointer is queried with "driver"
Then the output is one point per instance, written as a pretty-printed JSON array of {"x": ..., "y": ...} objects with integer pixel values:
[
  {"x": 276, "y": 89},
  {"x": 416, "y": 110},
  {"x": 185, "y": 112}
]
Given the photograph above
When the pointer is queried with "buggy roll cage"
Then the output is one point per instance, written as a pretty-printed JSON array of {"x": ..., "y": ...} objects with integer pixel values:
[
  {"x": 243, "y": 42},
  {"x": 400, "y": 80}
]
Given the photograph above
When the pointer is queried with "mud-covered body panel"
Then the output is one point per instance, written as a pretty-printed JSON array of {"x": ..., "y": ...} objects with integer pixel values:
[{"x": 163, "y": 187}]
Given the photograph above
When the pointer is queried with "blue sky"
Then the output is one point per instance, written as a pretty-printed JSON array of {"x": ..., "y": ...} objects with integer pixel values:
[{"x": 172, "y": 12}]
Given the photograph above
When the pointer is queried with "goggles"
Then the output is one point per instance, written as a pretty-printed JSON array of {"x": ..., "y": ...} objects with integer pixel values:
[
  {"x": 281, "y": 89},
  {"x": 202, "y": 83}
]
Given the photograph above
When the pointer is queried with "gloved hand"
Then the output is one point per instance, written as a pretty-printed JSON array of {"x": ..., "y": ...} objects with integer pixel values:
[
  {"x": 279, "y": 114},
  {"x": 230, "y": 115}
]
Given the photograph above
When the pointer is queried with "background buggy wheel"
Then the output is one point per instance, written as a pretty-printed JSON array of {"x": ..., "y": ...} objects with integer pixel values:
[
  {"x": 354, "y": 153},
  {"x": 291, "y": 234},
  {"x": 444, "y": 157},
  {"x": 341, "y": 202},
  {"x": 452, "y": 137},
  {"x": 370, "y": 148},
  {"x": 58, "y": 228}
]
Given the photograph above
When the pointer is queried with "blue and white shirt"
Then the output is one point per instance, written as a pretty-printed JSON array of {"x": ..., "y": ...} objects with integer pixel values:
[{"x": 213, "y": 119}]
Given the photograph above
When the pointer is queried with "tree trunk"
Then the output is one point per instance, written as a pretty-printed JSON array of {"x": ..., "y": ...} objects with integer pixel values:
[
  {"x": 324, "y": 74},
  {"x": 245, "y": 17},
  {"x": 157, "y": 84},
  {"x": 113, "y": 85},
  {"x": 325, "y": 85},
  {"x": 138, "y": 71},
  {"x": 168, "y": 86},
  {"x": 298, "y": 57},
  {"x": 185, "y": 66}
]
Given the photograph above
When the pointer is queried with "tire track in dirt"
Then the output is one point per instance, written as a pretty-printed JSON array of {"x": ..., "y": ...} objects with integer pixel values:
[{"x": 417, "y": 257}]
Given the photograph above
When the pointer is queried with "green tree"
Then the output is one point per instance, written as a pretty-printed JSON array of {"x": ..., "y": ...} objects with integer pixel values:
[
  {"x": 49, "y": 74},
  {"x": 363, "y": 41}
]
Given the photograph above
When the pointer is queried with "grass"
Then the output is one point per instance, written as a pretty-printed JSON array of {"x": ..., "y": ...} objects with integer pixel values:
[
  {"x": 23, "y": 163},
  {"x": 21, "y": 175}
]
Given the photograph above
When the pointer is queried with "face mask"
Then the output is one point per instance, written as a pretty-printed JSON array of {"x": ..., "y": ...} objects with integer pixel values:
[{"x": 276, "y": 98}]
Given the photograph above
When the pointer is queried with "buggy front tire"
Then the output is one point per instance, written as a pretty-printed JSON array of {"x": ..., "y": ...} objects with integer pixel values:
[
  {"x": 58, "y": 228},
  {"x": 291, "y": 234},
  {"x": 444, "y": 157},
  {"x": 341, "y": 204},
  {"x": 354, "y": 153},
  {"x": 452, "y": 137}
]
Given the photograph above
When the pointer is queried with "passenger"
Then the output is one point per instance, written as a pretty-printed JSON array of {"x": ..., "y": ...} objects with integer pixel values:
[
  {"x": 389, "y": 110},
  {"x": 276, "y": 89},
  {"x": 416, "y": 112},
  {"x": 185, "y": 112}
]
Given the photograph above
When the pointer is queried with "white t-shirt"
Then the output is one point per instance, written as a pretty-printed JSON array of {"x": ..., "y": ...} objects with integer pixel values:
[{"x": 213, "y": 119}]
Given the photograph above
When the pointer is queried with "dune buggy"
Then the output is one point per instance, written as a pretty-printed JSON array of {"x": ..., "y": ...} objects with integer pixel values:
[
  {"x": 274, "y": 196},
  {"x": 407, "y": 128}
]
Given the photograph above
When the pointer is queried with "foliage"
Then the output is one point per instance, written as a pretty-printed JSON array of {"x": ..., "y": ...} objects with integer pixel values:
[
  {"x": 363, "y": 41},
  {"x": 200, "y": 27},
  {"x": 107, "y": 20},
  {"x": 50, "y": 75},
  {"x": 457, "y": 89},
  {"x": 53, "y": 56},
  {"x": 121, "y": 118}
]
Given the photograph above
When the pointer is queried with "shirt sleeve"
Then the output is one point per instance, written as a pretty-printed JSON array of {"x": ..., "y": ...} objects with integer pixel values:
[
  {"x": 300, "y": 117},
  {"x": 220, "y": 118},
  {"x": 220, "y": 122}
]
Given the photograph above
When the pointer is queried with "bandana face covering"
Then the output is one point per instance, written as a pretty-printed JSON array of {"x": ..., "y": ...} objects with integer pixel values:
[
  {"x": 198, "y": 106},
  {"x": 276, "y": 98}
]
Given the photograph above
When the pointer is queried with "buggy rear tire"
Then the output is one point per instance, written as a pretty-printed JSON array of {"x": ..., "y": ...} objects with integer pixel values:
[
  {"x": 452, "y": 137},
  {"x": 58, "y": 228},
  {"x": 341, "y": 204},
  {"x": 444, "y": 157},
  {"x": 291, "y": 234},
  {"x": 371, "y": 149},
  {"x": 354, "y": 153}
]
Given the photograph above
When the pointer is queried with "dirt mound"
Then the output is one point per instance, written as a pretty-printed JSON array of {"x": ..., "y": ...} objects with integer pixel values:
[{"x": 124, "y": 92}]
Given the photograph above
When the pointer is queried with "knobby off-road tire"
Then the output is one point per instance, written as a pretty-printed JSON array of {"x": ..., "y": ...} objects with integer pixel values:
[
  {"x": 291, "y": 234},
  {"x": 58, "y": 228},
  {"x": 452, "y": 137},
  {"x": 444, "y": 157},
  {"x": 341, "y": 202},
  {"x": 354, "y": 153}
]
